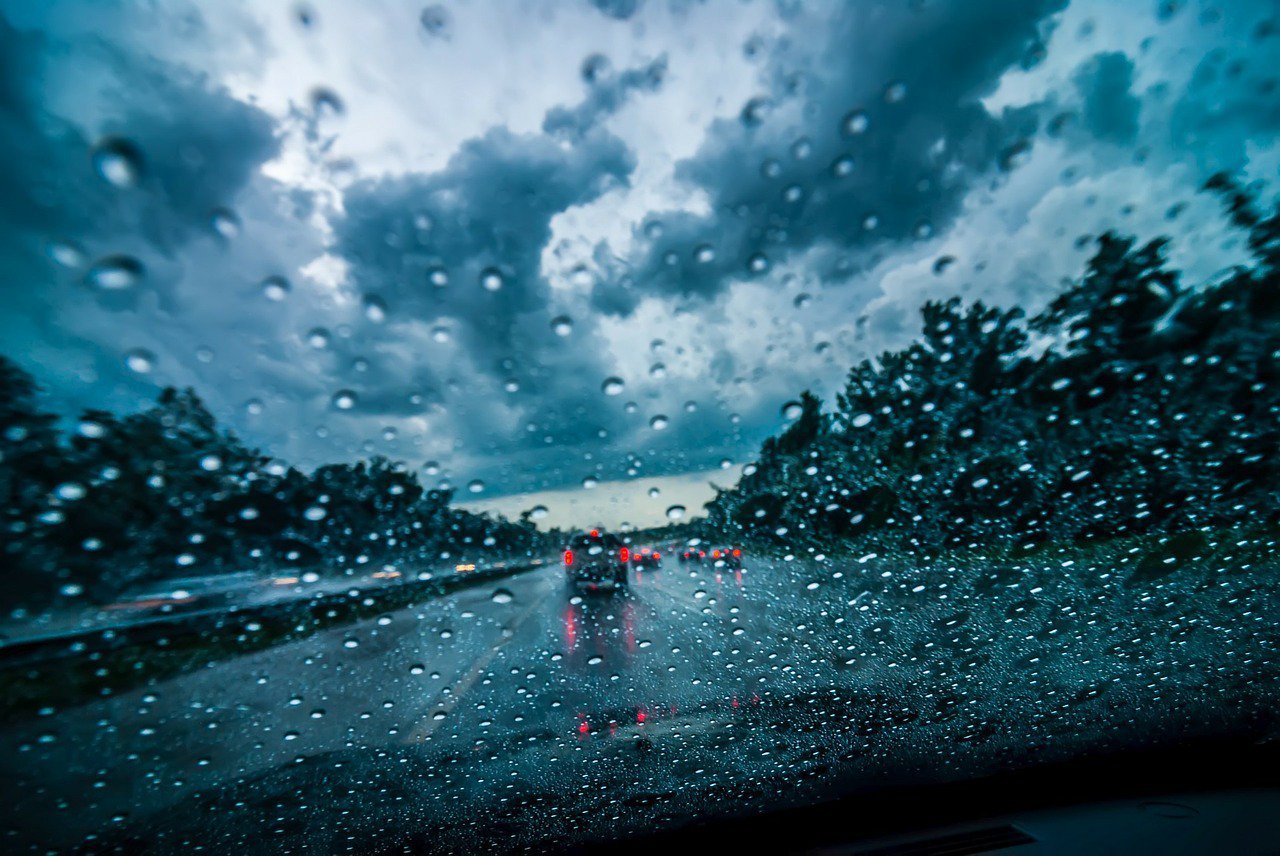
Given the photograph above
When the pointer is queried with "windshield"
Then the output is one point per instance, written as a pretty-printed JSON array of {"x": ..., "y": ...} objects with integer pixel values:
[{"x": 525, "y": 426}]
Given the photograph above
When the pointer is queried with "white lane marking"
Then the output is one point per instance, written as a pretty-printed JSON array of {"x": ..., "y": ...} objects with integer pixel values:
[{"x": 427, "y": 726}]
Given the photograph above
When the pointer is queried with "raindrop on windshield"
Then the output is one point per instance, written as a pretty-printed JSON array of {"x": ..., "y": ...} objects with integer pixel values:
[
  {"x": 140, "y": 360},
  {"x": 675, "y": 512},
  {"x": 502, "y": 596},
  {"x": 612, "y": 386},
  {"x": 318, "y": 338},
  {"x": 225, "y": 223},
  {"x": 792, "y": 410},
  {"x": 375, "y": 308},
  {"x": 344, "y": 399},
  {"x": 491, "y": 279},
  {"x": 115, "y": 273},
  {"x": 856, "y": 123},
  {"x": 475, "y": 486},
  {"x": 118, "y": 161},
  {"x": 658, "y": 423},
  {"x": 562, "y": 325},
  {"x": 275, "y": 288}
]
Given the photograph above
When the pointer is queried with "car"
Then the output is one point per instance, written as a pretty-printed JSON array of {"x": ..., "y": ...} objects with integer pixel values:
[
  {"x": 693, "y": 554},
  {"x": 727, "y": 557},
  {"x": 646, "y": 557},
  {"x": 595, "y": 560}
]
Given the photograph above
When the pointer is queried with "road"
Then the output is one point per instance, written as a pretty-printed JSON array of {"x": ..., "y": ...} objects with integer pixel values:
[{"x": 525, "y": 713}]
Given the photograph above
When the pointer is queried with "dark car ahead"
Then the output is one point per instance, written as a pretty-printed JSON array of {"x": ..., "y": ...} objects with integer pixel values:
[
  {"x": 727, "y": 557},
  {"x": 597, "y": 559},
  {"x": 646, "y": 557}
]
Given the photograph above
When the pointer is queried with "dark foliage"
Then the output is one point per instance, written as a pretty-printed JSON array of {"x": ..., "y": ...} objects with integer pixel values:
[{"x": 1132, "y": 403}]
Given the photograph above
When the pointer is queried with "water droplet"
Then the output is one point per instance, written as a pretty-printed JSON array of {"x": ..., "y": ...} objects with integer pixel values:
[
  {"x": 802, "y": 300},
  {"x": 475, "y": 486},
  {"x": 704, "y": 254},
  {"x": 431, "y": 468},
  {"x": 758, "y": 263},
  {"x": 589, "y": 482},
  {"x": 502, "y": 596},
  {"x": 326, "y": 102},
  {"x": 225, "y": 223},
  {"x": 595, "y": 67},
  {"x": 658, "y": 371},
  {"x": 351, "y": 643},
  {"x": 792, "y": 410},
  {"x": 856, "y": 123},
  {"x": 314, "y": 513},
  {"x": 440, "y": 334},
  {"x": 70, "y": 491},
  {"x": 895, "y": 92},
  {"x": 318, "y": 338},
  {"x": 675, "y": 512},
  {"x": 66, "y": 254},
  {"x": 842, "y": 166},
  {"x": 612, "y": 386},
  {"x": 862, "y": 420},
  {"x": 140, "y": 360},
  {"x": 491, "y": 279},
  {"x": 375, "y": 308},
  {"x": 210, "y": 463},
  {"x": 562, "y": 325},
  {"x": 438, "y": 277},
  {"x": 344, "y": 399},
  {"x": 659, "y": 423},
  {"x": 275, "y": 288},
  {"x": 417, "y": 669},
  {"x": 254, "y": 406},
  {"x": 435, "y": 21},
  {"x": 538, "y": 512},
  {"x": 115, "y": 273},
  {"x": 118, "y": 161}
]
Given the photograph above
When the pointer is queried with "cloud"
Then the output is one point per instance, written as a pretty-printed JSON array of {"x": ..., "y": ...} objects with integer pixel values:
[{"x": 872, "y": 139}]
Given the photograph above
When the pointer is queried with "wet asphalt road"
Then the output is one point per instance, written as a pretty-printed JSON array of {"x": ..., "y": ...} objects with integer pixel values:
[
  {"x": 526, "y": 714},
  {"x": 529, "y": 659}
]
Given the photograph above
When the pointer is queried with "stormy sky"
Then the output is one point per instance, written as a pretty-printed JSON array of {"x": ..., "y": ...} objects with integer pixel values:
[{"x": 525, "y": 246}]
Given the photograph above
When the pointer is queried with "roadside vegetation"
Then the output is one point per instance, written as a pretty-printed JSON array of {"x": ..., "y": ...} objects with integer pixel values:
[{"x": 1133, "y": 404}]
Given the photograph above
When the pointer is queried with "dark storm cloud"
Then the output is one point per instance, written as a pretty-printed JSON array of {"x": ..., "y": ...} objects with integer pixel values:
[
  {"x": 196, "y": 145},
  {"x": 876, "y": 137},
  {"x": 460, "y": 251},
  {"x": 1110, "y": 109}
]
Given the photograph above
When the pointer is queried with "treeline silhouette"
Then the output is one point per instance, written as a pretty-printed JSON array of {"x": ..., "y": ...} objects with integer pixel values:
[
  {"x": 1132, "y": 404},
  {"x": 121, "y": 501}
]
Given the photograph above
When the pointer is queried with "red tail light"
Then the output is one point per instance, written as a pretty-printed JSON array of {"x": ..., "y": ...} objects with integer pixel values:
[
  {"x": 624, "y": 555},
  {"x": 737, "y": 553},
  {"x": 568, "y": 558},
  {"x": 641, "y": 717},
  {"x": 657, "y": 555},
  {"x": 715, "y": 554},
  {"x": 583, "y": 728}
]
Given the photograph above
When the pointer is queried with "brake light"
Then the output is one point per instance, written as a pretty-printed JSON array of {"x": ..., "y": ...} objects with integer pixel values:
[
  {"x": 737, "y": 553},
  {"x": 568, "y": 558},
  {"x": 657, "y": 555},
  {"x": 595, "y": 533},
  {"x": 715, "y": 554},
  {"x": 624, "y": 555}
]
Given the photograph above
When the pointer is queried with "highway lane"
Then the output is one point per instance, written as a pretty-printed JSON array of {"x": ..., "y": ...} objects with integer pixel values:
[
  {"x": 525, "y": 656},
  {"x": 528, "y": 712}
]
